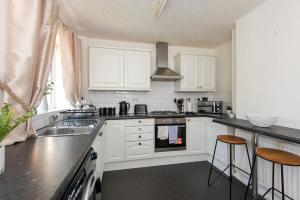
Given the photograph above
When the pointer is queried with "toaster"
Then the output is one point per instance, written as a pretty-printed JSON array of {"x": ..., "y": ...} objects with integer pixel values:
[{"x": 140, "y": 109}]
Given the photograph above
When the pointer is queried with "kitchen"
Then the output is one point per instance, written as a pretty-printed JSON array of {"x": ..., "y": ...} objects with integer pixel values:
[{"x": 141, "y": 102}]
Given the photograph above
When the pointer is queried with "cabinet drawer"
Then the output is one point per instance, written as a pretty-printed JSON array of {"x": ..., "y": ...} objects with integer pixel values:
[
  {"x": 139, "y": 129},
  {"x": 139, "y": 122},
  {"x": 139, "y": 137},
  {"x": 139, "y": 150}
]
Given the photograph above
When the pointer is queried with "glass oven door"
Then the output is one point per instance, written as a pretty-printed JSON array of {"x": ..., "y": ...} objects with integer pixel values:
[{"x": 175, "y": 141}]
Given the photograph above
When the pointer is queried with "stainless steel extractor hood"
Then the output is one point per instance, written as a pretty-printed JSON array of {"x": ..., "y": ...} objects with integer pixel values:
[{"x": 162, "y": 72}]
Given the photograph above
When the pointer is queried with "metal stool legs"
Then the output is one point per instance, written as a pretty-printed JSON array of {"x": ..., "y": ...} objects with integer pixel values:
[
  {"x": 212, "y": 162},
  {"x": 273, "y": 189},
  {"x": 231, "y": 166}
]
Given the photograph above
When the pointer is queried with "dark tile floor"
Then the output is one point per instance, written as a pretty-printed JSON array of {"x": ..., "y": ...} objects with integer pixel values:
[{"x": 172, "y": 182}]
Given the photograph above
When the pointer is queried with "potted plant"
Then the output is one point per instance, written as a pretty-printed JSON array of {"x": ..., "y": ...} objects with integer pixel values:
[
  {"x": 230, "y": 112},
  {"x": 48, "y": 90},
  {"x": 8, "y": 122},
  {"x": 229, "y": 109}
]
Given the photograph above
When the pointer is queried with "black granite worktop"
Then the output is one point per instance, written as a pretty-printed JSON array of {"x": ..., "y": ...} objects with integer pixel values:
[
  {"x": 278, "y": 132},
  {"x": 133, "y": 116},
  {"x": 42, "y": 168}
]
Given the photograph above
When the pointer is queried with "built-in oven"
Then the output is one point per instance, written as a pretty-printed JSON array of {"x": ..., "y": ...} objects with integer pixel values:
[
  {"x": 84, "y": 185},
  {"x": 170, "y": 134}
]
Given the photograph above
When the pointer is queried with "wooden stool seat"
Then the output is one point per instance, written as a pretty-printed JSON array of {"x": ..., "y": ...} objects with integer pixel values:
[
  {"x": 278, "y": 156},
  {"x": 231, "y": 139}
]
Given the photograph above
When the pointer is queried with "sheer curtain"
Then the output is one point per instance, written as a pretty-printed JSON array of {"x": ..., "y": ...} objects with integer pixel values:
[
  {"x": 29, "y": 37},
  {"x": 70, "y": 56}
]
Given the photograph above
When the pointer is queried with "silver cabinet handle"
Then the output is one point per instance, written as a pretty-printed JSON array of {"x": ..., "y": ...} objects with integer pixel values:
[
  {"x": 140, "y": 121},
  {"x": 140, "y": 129}
]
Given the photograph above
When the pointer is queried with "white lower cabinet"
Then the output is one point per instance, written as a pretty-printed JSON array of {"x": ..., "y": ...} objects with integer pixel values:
[
  {"x": 129, "y": 139},
  {"x": 97, "y": 148},
  {"x": 114, "y": 134},
  {"x": 196, "y": 135},
  {"x": 139, "y": 150},
  {"x": 139, "y": 137}
]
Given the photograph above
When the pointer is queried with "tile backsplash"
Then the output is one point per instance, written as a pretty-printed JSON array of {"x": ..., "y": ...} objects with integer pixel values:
[{"x": 161, "y": 97}]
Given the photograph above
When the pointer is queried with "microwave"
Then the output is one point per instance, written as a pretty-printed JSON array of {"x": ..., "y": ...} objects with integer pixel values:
[{"x": 210, "y": 107}]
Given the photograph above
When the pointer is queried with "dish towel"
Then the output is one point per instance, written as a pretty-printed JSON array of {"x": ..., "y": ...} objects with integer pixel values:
[
  {"x": 173, "y": 134},
  {"x": 162, "y": 132}
]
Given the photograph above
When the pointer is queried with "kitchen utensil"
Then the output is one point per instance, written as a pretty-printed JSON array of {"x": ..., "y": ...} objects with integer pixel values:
[
  {"x": 124, "y": 108},
  {"x": 180, "y": 105},
  {"x": 140, "y": 109},
  {"x": 189, "y": 105}
]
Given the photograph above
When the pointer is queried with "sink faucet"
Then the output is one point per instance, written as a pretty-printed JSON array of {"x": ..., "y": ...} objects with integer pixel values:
[{"x": 52, "y": 120}]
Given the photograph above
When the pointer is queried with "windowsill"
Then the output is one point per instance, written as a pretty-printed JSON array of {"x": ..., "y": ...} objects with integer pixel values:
[{"x": 50, "y": 111}]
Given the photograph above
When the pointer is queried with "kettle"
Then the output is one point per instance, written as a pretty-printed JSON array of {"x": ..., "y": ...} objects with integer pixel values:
[{"x": 124, "y": 108}]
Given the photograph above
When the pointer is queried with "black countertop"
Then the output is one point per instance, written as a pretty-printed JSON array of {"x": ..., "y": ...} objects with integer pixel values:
[
  {"x": 133, "y": 116},
  {"x": 278, "y": 132},
  {"x": 42, "y": 168}
]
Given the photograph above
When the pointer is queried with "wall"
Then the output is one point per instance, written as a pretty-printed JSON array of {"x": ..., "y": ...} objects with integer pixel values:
[
  {"x": 162, "y": 94},
  {"x": 268, "y": 64},
  {"x": 224, "y": 73},
  {"x": 267, "y": 81}
]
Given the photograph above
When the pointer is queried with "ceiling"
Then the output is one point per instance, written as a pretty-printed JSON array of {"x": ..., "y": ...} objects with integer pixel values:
[{"x": 200, "y": 23}]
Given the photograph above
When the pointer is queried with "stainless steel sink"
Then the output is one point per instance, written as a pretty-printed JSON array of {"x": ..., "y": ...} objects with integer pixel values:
[{"x": 56, "y": 131}]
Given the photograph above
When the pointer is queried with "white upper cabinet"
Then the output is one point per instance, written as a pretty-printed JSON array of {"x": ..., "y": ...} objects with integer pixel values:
[
  {"x": 198, "y": 72},
  {"x": 189, "y": 71},
  {"x": 118, "y": 69},
  {"x": 137, "y": 70},
  {"x": 106, "y": 68},
  {"x": 207, "y": 71}
]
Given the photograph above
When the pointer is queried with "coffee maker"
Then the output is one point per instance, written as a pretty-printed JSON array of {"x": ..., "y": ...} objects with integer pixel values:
[{"x": 180, "y": 104}]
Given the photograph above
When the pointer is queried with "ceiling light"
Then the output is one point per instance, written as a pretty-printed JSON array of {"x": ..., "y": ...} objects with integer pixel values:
[{"x": 160, "y": 7}]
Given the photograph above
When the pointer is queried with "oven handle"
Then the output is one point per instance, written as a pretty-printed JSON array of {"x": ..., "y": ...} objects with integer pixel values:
[
  {"x": 179, "y": 126},
  {"x": 89, "y": 186}
]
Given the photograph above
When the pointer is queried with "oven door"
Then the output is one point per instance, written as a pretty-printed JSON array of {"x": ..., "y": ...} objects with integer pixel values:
[{"x": 162, "y": 145}]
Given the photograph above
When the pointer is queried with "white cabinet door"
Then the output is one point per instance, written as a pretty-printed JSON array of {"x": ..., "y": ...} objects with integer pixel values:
[
  {"x": 198, "y": 73},
  {"x": 97, "y": 148},
  {"x": 139, "y": 150},
  {"x": 106, "y": 68},
  {"x": 137, "y": 70},
  {"x": 115, "y": 134},
  {"x": 189, "y": 71},
  {"x": 102, "y": 154},
  {"x": 196, "y": 135},
  {"x": 206, "y": 72}
]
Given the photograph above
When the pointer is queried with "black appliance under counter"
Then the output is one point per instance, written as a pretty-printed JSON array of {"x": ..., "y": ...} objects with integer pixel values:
[{"x": 42, "y": 168}]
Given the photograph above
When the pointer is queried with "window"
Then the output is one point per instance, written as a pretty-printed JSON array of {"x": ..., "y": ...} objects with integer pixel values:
[{"x": 56, "y": 99}]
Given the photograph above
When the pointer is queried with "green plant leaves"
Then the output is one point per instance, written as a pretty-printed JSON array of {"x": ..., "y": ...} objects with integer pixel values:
[{"x": 8, "y": 122}]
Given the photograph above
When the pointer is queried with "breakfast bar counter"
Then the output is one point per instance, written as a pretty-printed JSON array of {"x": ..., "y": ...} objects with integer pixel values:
[{"x": 278, "y": 132}]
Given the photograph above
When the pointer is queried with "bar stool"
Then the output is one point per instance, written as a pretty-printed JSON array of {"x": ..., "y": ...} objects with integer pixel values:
[
  {"x": 275, "y": 156},
  {"x": 231, "y": 140}
]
